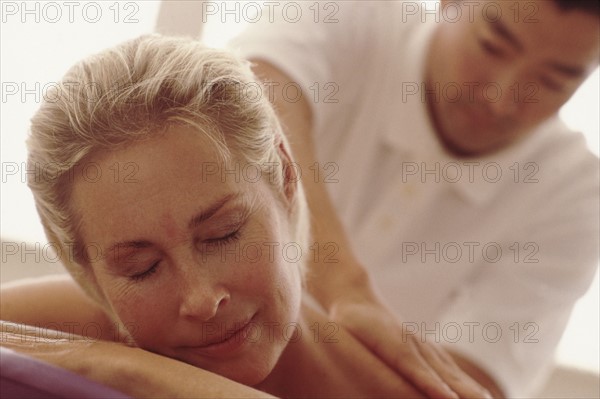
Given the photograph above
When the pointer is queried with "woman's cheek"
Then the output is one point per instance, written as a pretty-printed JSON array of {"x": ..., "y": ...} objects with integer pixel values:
[{"x": 140, "y": 314}]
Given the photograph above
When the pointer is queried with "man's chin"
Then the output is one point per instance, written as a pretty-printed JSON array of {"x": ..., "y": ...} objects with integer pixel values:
[
  {"x": 461, "y": 148},
  {"x": 466, "y": 146},
  {"x": 472, "y": 150}
]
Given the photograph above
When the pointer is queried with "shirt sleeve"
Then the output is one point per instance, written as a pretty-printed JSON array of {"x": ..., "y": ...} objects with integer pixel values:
[{"x": 314, "y": 43}]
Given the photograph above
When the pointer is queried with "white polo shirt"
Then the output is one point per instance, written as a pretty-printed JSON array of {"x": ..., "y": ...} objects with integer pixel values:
[{"x": 487, "y": 255}]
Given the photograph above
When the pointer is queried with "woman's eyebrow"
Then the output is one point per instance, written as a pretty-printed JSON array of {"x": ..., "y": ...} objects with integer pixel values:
[
  {"x": 194, "y": 222},
  {"x": 117, "y": 247},
  {"x": 206, "y": 214}
]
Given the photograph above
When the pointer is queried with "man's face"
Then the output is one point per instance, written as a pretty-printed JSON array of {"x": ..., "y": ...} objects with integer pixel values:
[{"x": 504, "y": 67}]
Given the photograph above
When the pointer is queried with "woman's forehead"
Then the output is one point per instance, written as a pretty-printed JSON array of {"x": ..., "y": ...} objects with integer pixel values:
[{"x": 173, "y": 174}]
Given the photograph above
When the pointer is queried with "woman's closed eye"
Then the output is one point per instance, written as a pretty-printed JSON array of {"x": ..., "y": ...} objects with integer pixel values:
[
  {"x": 146, "y": 273},
  {"x": 218, "y": 241},
  {"x": 224, "y": 240}
]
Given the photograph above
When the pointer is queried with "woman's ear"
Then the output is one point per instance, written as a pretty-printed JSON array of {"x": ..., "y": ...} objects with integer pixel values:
[{"x": 291, "y": 172}]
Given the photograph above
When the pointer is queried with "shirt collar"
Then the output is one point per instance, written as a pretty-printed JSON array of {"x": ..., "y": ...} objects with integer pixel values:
[
  {"x": 414, "y": 133},
  {"x": 512, "y": 161}
]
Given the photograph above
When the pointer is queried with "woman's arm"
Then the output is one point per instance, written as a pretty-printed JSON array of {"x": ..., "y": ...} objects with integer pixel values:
[
  {"x": 53, "y": 320},
  {"x": 132, "y": 371},
  {"x": 56, "y": 303}
]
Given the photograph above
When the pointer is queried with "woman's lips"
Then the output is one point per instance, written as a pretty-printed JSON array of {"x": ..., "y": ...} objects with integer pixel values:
[{"x": 228, "y": 344}]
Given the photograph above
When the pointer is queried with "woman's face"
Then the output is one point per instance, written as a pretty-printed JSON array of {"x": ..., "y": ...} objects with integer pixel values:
[{"x": 194, "y": 259}]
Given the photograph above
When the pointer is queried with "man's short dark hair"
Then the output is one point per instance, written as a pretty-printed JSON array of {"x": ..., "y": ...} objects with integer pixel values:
[{"x": 590, "y": 6}]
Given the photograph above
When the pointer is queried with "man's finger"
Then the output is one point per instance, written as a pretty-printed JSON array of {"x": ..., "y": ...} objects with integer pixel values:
[
  {"x": 452, "y": 374},
  {"x": 402, "y": 355}
]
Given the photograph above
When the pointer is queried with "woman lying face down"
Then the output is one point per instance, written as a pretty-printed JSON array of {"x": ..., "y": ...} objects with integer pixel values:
[
  {"x": 169, "y": 180},
  {"x": 192, "y": 265},
  {"x": 180, "y": 231}
]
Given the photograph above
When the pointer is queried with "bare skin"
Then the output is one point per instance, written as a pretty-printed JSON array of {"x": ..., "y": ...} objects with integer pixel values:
[{"x": 322, "y": 361}]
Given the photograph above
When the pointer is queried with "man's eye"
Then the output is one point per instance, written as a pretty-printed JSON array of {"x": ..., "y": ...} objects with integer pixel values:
[
  {"x": 146, "y": 273},
  {"x": 551, "y": 84},
  {"x": 491, "y": 49}
]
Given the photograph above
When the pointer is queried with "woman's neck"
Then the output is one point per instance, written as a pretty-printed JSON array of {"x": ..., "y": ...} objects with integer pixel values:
[
  {"x": 297, "y": 362},
  {"x": 327, "y": 361}
]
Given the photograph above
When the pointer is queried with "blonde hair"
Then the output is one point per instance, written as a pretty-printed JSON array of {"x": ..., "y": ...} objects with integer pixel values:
[{"x": 131, "y": 92}]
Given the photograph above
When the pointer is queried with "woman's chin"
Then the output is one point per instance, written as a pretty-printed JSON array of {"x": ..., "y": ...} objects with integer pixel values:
[
  {"x": 253, "y": 363},
  {"x": 249, "y": 374}
]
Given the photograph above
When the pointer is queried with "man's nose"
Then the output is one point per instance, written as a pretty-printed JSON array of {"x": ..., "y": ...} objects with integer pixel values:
[{"x": 505, "y": 94}]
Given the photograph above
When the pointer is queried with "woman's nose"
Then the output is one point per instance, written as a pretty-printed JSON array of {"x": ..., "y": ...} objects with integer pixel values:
[{"x": 202, "y": 297}]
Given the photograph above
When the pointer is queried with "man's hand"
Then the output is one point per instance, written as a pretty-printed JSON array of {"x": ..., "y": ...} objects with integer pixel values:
[{"x": 429, "y": 367}]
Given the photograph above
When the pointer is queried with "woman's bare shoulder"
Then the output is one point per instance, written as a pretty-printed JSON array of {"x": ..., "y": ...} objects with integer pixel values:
[
  {"x": 343, "y": 366},
  {"x": 56, "y": 303}
]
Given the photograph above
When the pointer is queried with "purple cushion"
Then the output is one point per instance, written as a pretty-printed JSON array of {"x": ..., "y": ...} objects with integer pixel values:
[{"x": 25, "y": 377}]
